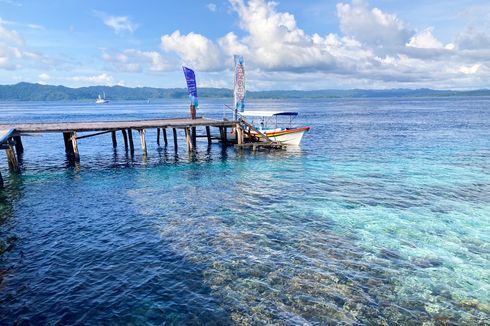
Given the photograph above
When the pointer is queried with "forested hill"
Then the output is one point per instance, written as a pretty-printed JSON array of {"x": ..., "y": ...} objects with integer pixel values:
[{"x": 38, "y": 92}]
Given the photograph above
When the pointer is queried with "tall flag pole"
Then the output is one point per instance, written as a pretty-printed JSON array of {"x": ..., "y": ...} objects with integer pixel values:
[
  {"x": 190, "y": 78},
  {"x": 239, "y": 85}
]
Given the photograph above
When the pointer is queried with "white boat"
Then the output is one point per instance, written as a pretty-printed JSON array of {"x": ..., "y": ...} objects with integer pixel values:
[
  {"x": 267, "y": 122},
  {"x": 101, "y": 100}
]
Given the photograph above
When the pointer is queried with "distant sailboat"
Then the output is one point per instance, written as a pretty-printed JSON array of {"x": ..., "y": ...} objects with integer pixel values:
[{"x": 101, "y": 99}]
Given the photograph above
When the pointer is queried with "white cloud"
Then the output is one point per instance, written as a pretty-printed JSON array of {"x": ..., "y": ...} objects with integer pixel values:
[
  {"x": 12, "y": 3},
  {"x": 195, "y": 50},
  {"x": 425, "y": 40},
  {"x": 376, "y": 46},
  {"x": 102, "y": 79},
  {"x": 44, "y": 77},
  {"x": 372, "y": 27},
  {"x": 10, "y": 36},
  {"x": 14, "y": 54},
  {"x": 212, "y": 7},
  {"x": 274, "y": 41},
  {"x": 470, "y": 70},
  {"x": 473, "y": 39},
  {"x": 132, "y": 60},
  {"x": 215, "y": 83},
  {"x": 35, "y": 26},
  {"x": 119, "y": 24}
]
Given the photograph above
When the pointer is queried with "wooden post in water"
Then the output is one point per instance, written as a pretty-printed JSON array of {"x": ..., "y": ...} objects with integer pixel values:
[
  {"x": 223, "y": 135},
  {"x": 19, "y": 148},
  {"x": 130, "y": 137},
  {"x": 125, "y": 137},
  {"x": 208, "y": 134},
  {"x": 114, "y": 139},
  {"x": 12, "y": 159},
  {"x": 164, "y": 131},
  {"x": 193, "y": 136},
  {"x": 188, "y": 138},
  {"x": 68, "y": 144},
  {"x": 175, "y": 138},
  {"x": 239, "y": 134},
  {"x": 158, "y": 136},
  {"x": 142, "y": 133},
  {"x": 74, "y": 143},
  {"x": 1, "y": 180}
]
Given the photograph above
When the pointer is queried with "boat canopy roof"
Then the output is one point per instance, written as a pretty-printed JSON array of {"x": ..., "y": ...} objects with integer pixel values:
[{"x": 267, "y": 113}]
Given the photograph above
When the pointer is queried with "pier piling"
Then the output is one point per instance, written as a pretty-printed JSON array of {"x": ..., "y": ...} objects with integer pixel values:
[
  {"x": 12, "y": 159},
  {"x": 142, "y": 133},
  {"x": 208, "y": 134},
  {"x": 188, "y": 138},
  {"x": 130, "y": 138},
  {"x": 19, "y": 147},
  {"x": 125, "y": 138},
  {"x": 114, "y": 139},
  {"x": 68, "y": 144},
  {"x": 74, "y": 142},
  {"x": 193, "y": 136},
  {"x": 175, "y": 138},
  {"x": 164, "y": 131}
]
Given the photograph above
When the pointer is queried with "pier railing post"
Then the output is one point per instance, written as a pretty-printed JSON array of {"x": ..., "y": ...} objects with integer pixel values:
[{"x": 193, "y": 111}]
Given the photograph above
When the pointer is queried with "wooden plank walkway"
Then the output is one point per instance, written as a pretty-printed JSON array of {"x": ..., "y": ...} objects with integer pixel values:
[{"x": 115, "y": 125}]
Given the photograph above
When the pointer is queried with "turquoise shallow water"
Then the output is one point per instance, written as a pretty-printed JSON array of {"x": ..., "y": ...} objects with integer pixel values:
[{"x": 382, "y": 216}]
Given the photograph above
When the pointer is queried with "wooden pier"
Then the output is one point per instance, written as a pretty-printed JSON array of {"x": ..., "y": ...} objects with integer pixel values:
[{"x": 11, "y": 135}]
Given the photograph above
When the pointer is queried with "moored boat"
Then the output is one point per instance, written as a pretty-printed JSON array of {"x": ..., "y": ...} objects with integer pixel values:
[
  {"x": 276, "y": 130},
  {"x": 101, "y": 100}
]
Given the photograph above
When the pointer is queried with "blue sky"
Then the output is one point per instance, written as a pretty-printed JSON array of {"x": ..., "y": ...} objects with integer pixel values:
[{"x": 286, "y": 44}]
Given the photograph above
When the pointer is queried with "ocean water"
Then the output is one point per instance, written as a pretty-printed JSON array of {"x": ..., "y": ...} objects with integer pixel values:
[{"x": 381, "y": 216}]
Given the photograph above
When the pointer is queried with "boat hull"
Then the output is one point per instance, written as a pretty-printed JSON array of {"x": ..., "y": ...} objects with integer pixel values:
[{"x": 286, "y": 136}]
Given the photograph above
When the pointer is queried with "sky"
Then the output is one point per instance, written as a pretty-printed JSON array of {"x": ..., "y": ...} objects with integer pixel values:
[{"x": 286, "y": 44}]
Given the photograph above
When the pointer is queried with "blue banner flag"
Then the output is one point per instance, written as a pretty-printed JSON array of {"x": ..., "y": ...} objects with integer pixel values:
[
  {"x": 239, "y": 89},
  {"x": 190, "y": 78}
]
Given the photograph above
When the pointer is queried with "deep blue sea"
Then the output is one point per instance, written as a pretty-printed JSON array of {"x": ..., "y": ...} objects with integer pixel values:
[{"x": 380, "y": 217}]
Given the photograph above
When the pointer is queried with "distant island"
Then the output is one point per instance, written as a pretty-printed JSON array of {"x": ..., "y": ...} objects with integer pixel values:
[{"x": 37, "y": 92}]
